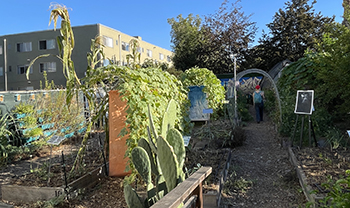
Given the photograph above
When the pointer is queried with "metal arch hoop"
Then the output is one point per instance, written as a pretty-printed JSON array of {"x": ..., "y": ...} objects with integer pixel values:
[{"x": 265, "y": 74}]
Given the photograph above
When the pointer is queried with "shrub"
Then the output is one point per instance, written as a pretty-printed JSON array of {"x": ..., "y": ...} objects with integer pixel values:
[
  {"x": 212, "y": 86},
  {"x": 153, "y": 87}
]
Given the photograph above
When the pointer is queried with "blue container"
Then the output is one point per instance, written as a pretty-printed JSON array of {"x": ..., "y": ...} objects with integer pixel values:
[
  {"x": 31, "y": 139},
  {"x": 40, "y": 120},
  {"x": 69, "y": 135},
  {"x": 49, "y": 133},
  {"x": 80, "y": 131},
  {"x": 47, "y": 126},
  {"x": 20, "y": 115},
  {"x": 63, "y": 130}
]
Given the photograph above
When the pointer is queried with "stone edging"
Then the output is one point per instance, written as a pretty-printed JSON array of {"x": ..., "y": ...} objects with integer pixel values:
[{"x": 311, "y": 197}]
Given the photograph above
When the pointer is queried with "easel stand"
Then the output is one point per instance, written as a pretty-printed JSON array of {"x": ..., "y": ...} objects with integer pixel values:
[{"x": 311, "y": 130}]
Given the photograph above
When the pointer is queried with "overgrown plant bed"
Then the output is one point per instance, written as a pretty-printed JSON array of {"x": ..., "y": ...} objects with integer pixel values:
[
  {"x": 48, "y": 171},
  {"x": 39, "y": 176},
  {"x": 321, "y": 165}
]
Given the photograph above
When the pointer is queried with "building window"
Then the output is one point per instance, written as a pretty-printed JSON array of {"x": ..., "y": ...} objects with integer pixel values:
[
  {"x": 0, "y": 49},
  {"x": 149, "y": 53},
  {"x": 107, "y": 41},
  {"x": 24, "y": 47},
  {"x": 168, "y": 58},
  {"x": 46, "y": 44},
  {"x": 139, "y": 50},
  {"x": 161, "y": 56},
  {"x": 47, "y": 66},
  {"x": 23, "y": 69},
  {"x": 125, "y": 46},
  {"x": 116, "y": 42},
  {"x": 1, "y": 71}
]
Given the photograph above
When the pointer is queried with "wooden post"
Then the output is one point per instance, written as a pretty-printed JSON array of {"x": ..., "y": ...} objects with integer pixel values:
[
  {"x": 295, "y": 127},
  {"x": 117, "y": 144},
  {"x": 191, "y": 186},
  {"x": 301, "y": 131},
  {"x": 309, "y": 131}
]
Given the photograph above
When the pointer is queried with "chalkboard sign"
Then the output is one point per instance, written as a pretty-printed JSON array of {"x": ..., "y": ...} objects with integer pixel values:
[{"x": 304, "y": 102}]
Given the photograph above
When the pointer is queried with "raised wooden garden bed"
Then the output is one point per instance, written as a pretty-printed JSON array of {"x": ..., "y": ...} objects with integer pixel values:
[
  {"x": 307, "y": 190},
  {"x": 16, "y": 193}
]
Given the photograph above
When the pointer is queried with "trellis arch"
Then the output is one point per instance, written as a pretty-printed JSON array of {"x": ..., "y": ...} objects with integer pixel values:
[{"x": 265, "y": 74}]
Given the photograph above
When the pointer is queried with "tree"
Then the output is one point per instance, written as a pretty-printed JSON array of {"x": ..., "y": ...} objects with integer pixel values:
[
  {"x": 229, "y": 31},
  {"x": 346, "y": 5},
  {"x": 209, "y": 45},
  {"x": 186, "y": 37},
  {"x": 293, "y": 30},
  {"x": 334, "y": 69}
]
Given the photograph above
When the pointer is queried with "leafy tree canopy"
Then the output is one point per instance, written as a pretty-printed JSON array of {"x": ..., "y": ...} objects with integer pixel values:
[
  {"x": 294, "y": 29},
  {"x": 208, "y": 44},
  {"x": 186, "y": 37}
]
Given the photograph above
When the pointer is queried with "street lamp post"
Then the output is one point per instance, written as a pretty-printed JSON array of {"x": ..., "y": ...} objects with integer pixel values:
[{"x": 233, "y": 58}]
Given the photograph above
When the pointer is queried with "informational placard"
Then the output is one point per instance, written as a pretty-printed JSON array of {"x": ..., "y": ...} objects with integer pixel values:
[
  {"x": 55, "y": 140},
  {"x": 186, "y": 140},
  {"x": 209, "y": 110},
  {"x": 304, "y": 102},
  {"x": 198, "y": 103}
]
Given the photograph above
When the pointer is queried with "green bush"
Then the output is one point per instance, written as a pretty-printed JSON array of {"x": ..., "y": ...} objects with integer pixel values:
[
  {"x": 212, "y": 86},
  {"x": 339, "y": 192},
  {"x": 153, "y": 87}
]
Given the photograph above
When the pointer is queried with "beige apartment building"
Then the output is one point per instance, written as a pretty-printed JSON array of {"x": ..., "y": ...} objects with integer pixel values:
[{"x": 18, "y": 50}]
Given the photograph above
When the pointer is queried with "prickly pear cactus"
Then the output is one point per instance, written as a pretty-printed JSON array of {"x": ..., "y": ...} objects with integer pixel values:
[
  {"x": 131, "y": 197},
  {"x": 142, "y": 163},
  {"x": 145, "y": 145},
  {"x": 169, "y": 118},
  {"x": 162, "y": 155},
  {"x": 152, "y": 127},
  {"x": 175, "y": 140},
  {"x": 168, "y": 163}
]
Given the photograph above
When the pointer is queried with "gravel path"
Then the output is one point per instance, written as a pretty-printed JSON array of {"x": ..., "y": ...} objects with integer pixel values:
[{"x": 261, "y": 172}]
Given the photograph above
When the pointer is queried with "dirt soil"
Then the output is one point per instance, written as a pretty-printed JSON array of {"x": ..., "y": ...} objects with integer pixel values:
[
  {"x": 260, "y": 174},
  {"x": 322, "y": 163}
]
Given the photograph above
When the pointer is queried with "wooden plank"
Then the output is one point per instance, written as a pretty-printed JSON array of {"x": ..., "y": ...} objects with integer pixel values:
[
  {"x": 190, "y": 202},
  {"x": 88, "y": 179},
  {"x": 302, "y": 178},
  {"x": 15, "y": 193},
  {"x": 3, "y": 205},
  {"x": 180, "y": 193}
]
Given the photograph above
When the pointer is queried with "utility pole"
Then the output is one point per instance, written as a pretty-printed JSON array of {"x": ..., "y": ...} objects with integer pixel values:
[
  {"x": 234, "y": 58},
  {"x": 5, "y": 65}
]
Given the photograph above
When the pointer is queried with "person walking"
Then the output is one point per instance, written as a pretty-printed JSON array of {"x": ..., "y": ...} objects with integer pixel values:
[{"x": 258, "y": 102}]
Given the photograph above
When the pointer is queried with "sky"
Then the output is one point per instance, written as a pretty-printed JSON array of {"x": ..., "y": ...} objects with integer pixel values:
[{"x": 145, "y": 18}]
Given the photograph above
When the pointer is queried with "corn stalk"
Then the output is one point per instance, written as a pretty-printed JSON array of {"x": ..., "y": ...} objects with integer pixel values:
[{"x": 66, "y": 45}]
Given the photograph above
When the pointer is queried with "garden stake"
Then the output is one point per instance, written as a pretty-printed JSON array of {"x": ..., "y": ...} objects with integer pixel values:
[
  {"x": 65, "y": 175},
  {"x": 103, "y": 154},
  {"x": 48, "y": 180}
]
